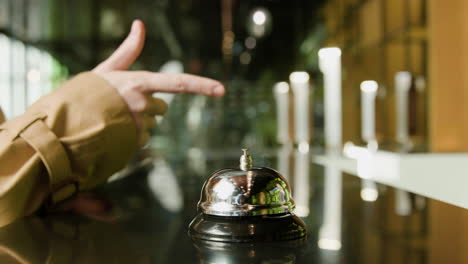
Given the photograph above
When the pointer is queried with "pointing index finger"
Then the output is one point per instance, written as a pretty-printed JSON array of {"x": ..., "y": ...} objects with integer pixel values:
[{"x": 181, "y": 83}]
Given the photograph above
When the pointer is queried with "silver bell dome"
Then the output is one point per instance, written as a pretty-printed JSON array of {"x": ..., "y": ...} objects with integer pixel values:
[{"x": 247, "y": 191}]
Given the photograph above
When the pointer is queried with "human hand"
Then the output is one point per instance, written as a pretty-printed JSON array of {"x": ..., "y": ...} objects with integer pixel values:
[
  {"x": 136, "y": 87},
  {"x": 88, "y": 204}
]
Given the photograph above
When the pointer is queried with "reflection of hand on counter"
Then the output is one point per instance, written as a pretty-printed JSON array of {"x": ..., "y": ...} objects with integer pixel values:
[
  {"x": 90, "y": 205},
  {"x": 64, "y": 239},
  {"x": 76, "y": 137}
]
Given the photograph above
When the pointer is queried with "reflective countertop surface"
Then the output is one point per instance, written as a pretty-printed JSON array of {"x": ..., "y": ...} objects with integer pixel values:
[{"x": 144, "y": 218}]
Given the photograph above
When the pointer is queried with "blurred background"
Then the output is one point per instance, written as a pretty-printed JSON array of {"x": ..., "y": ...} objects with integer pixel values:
[
  {"x": 390, "y": 73},
  {"x": 249, "y": 45}
]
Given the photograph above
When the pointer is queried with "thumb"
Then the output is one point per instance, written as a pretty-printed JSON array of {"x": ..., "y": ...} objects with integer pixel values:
[{"x": 127, "y": 52}]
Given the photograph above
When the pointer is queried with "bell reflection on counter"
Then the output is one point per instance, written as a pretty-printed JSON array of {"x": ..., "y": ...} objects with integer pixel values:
[
  {"x": 246, "y": 205},
  {"x": 221, "y": 252}
]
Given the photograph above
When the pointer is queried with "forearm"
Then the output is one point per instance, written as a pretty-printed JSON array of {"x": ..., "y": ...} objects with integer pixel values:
[{"x": 70, "y": 140}]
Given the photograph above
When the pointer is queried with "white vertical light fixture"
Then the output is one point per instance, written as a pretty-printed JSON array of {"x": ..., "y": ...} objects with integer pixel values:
[
  {"x": 284, "y": 153},
  {"x": 300, "y": 85},
  {"x": 402, "y": 87},
  {"x": 330, "y": 65},
  {"x": 281, "y": 94},
  {"x": 368, "y": 95}
]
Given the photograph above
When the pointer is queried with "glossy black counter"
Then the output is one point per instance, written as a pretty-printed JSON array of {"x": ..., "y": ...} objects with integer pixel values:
[{"x": 144, "y": 217}]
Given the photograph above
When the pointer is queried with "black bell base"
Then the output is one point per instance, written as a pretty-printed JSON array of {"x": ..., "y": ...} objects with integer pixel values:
[
  {"x": 247, "y": 228},
  {"x": 256, "y": 252}
]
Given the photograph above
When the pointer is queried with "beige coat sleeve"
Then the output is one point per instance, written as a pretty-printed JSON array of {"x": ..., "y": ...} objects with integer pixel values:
[{"x": 72, "y": 139}]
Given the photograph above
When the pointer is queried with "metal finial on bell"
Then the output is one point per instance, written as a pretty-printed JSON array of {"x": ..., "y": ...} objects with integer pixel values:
[{"x": 245, "y": 160}]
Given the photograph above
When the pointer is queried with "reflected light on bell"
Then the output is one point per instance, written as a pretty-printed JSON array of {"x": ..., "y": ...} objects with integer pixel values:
[
  {"x": 369, "y": 194},
  {"x": 34, "y": 75},
  {"x": 259, "y": 17},
  {"x": 325, "y": 53},
  {"x": 299, "y": 77},
  {"x": 303, "y": 147},
  {"x": 369, "y": 86},
  {"x": 224, "y": 189},
  {"x": 329, "y": 244},
  {"x": 221, "y": 207},
  {"x": 281, "y": 88},
  {"x": 250, "y": 42}
]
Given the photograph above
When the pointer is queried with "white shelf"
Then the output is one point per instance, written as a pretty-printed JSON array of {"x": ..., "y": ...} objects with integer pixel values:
[{"x": 441, "y": 176}]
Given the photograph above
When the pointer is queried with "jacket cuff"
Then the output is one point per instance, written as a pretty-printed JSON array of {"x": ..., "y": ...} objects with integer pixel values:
[
  {"x": 95, "y": 126},
  {"x": 32, "y": 129}
]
